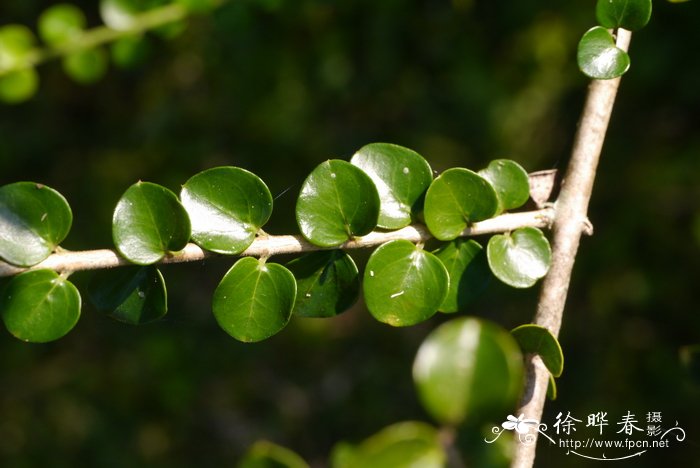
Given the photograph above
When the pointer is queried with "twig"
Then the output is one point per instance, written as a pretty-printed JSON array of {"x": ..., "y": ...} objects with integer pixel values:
[{"x": 569, "y": 224}]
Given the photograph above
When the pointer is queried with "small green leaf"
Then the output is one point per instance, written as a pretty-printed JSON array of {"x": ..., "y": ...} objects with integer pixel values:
[
  {"x": 468, "y": 369},
  {"x": 86, "y": 66},
  {"x": 16, "y": 45},
  {"x": 227, "y": 206},
  {"x": 34, "y": 219},
  {"x": 538, "y": 340},
  {"x": 402, "y": 445},
  {"x": 599, "y": 57},
  {"x": 132, "y": 295},
  {"x": 148, "y": 223},
  {"x": 18, "y": 86},
  {"x": 403, "y": 284},
  {"x": 254, "y": 300},
  {"x": 327, "y": 283},
  {"x": 457, "y": 198},
  {"x": 511, "y": 182},
  {"x": 552, "y": 388},
  {"x": 264, "y": 454},
  {"x": 401, "y": 176},
  {"x": 628, "y": 14},
  {"x": 469, "y": 272},
  {"x": 40, "y": 306},
  {"x": 519, "y": 258},
  {"x": 130, "y": 51},
  {"x": 61, "y": 23},
  {"x": 337, "y": 202}
]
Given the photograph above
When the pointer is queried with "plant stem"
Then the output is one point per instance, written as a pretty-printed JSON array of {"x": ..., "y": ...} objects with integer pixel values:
[
  {"x": 569, "y": 223},
  {"x": 265, "y": 246}
]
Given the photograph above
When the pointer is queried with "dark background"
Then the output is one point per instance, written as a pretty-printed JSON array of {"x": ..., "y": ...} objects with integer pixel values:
[{"x": 277, "y": 87}]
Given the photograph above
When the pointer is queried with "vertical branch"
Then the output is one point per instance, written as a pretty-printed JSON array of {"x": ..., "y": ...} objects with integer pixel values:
[{"x": 569, "y": 223}]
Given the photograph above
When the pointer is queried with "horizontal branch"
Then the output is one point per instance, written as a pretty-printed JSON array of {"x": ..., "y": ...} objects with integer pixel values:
[{"x": 265, "y": 246}]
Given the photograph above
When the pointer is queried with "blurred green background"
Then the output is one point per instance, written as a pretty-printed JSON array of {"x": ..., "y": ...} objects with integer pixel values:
[{"x": 277, "y": 87}]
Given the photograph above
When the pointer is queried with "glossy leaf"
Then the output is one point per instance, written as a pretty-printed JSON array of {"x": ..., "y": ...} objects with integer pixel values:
[
  {"x": 18, "y": 86},
  {"x": 61, "y": 23},
  {"x": 16, "y": 45},
  {"x": 519, "y": 258},
  {"x": 403, "y": 284},
  {"x": 510, "y": 181},
  {"x": 538, "y": 340},
  {"x": 599, "y": 57},
  {"x": 86, "y": 66},
  {"x": 337, "y": 202},
  {"x": 254, "y": 300},
  {"x": 227, "y": 206},
  {"x": 628, "y": 14},
  {"x": 148, "y": 223},
  {"x": 468, "y": 369},
  {"x": 40, "y": 306},
  {"x": 328, "y": 283},
  {"x": 402, "y": 445},
  {"x": 468, "y": 269},
  {"x": 264, "y": 454},
  {"x": 132, "y": 295},
  {"x": 34, "y": 219},
  {"x": 401, "y": 176},
  {"x": 457, "y": 198}
]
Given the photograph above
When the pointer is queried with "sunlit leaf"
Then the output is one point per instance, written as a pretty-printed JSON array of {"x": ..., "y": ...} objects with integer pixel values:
[
  {"x": 16, "y": 45},
  {"x": 401, "y": 176},
  {"x": 628, "y": 14},
  {"x": 34, "y": 219},
  {"x": 519, "y": 258},
  {"x": 469, "y": 272},
  {"x": 468, "y": 369},
  {"x": 227, "y": 206},
  {"x": 264, "y": 454},
  {"x": 61, "y": 23},
  {"x": 327, "y": 283},
  {"x": 510, "y": 181},
  {"x": 538, "y": 340},
  {"x": 119, "y": 14},
  {"x": 40, "y": 306},
  {"x": 599, "y": 57},
  {"x": 404, "y": 284},
  {"x": 254, "y": 300}
]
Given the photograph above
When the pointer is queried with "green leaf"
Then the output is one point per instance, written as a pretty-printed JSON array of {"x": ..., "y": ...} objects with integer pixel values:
[
  {"x": 599, "y": 57},
  {"x": 403, "y": 284},
  {"x": 254, "y": 300},
  {"x": 148, "y": 223},
  {"x": 227, "y": 206},
  {"x": 61, "y": 23},
  {"x": 337, "y": 202},
  {"x": 538, "y": 340},
  {"x": 16, "y": 45},
  {"x": 129, "y": 52},
  {"x": 39, "y": 306},
  {"x": 519, "y": 258},
  {"x": 132, "y": 295},
  {"x": 628, "y": 14},
  {"x": 18, "y": 86},
  {"x": 457, "y": 198},
  {"x": 86, "y": 66},
  {"x": 264, "y": 454},
  {"x": 401, "y": 176},
  {"x": 468, "y": 269},
  {"x": 552, "y": 388},
  {"x": 34, "y": 219},
  {"x": 468, "y": 369},
  {"x": 327, "y": 283},
  {"x": 511, "y": 182},
  {"x": 402, "y": 445}
]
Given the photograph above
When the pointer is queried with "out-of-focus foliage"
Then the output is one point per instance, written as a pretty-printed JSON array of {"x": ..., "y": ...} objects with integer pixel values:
[{"x": 278, "y": 87}]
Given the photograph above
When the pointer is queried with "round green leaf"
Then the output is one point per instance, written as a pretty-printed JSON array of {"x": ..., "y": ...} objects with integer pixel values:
[
  {"x": 403, "y": 284},
  {"x": 401, "y": 176},
  {"x": 16, "y": 45},
  {"x": 511, "y": 182},
  {"x": 402, "y": 445},
  {"x": 34, "y": 219},
  {"x": 538, "y": 340},
  {"x": 327, "y": 283},
  {"x": 466, "y": 264},
  {"x": 337, "y": 202},
  {"x": 628, "y": 14},
  {"x": 130, "y": 51},
  {"x": 468, "y": 369},
  {"x": 61, "y": 23},
  {"x": 456, "y": 198},
  {"x": 264, "y": 454},
  {"x": 254, "y": 300},
  {"x": 86, "y": 66},
  {"x": 599, "y": 57},
  {"x": 519, "y": 258},
  {"x": 18, "y": 86},
  {"x": 40, "y": 306},
  {"x": 148, "y": 223},
  {"x": 227, "y": 206},
  {"x": 132, "y": 295}
]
